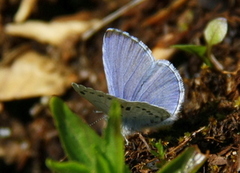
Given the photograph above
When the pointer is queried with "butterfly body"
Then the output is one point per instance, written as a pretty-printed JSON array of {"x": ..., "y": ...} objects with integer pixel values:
[{"x": 150, "y": 92}]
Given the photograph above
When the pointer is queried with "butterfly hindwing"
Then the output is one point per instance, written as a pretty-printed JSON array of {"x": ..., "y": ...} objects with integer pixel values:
[
  {"x": 164, "y": 88},
  {"x": 141, "y": 115}
]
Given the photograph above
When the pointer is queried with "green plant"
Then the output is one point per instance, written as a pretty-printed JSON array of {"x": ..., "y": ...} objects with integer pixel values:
[
  {"x": 188, "y": 161},
  {"x": 214, "y": 33},
  {"x": 160, "y": 150},
  {"x": 87, "y": 152}
]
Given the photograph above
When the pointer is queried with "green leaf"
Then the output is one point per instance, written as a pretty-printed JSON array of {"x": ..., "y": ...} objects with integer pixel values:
[
  {"x": 193, "y": 49},
  {"x": 188, "y": 161},
  {"x": 67, "y": 167},
  {"x": 83, "y": 145},
  {"x": 114, "y": 139},
  {"x": 79, "y": 141},
  {"x": 199, "y": 51},
  {"x": 160, "y": 149},
  {"x": 215, "y": 31},
  {"x": 103, "y": 164}
]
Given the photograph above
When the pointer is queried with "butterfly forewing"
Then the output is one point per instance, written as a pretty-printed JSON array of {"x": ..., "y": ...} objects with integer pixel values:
[{"x": 125, "y": 64}]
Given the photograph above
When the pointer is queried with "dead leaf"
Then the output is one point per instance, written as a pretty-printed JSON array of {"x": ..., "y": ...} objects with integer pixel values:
[
  {"x": 53, "y": 33},
  {"x": 33, "y": 75},
  {"x": 25, "y": 9},
  {"x": 163, "y": 53}
]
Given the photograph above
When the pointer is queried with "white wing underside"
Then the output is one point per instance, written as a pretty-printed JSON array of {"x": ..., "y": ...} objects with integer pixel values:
[{"x": 136, "y": 116}]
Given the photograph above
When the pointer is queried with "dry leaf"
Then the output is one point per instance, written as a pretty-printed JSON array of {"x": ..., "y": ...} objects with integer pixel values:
[
  {"x": 53, "y": 33},
  {"x": 163, "y": 53},
  {"x": 33, "y": 75},
  {"x": 24, "y": 10},
  {"x": 162, "y": 49}
]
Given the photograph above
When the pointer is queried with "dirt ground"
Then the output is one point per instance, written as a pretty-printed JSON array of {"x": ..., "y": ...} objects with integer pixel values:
[{"x": 46, "y": 45}]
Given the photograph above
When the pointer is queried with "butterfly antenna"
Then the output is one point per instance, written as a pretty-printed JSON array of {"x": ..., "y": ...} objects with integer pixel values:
[
  {"x": 98, "y": 112},
  {"x": 98, "y": 120}
]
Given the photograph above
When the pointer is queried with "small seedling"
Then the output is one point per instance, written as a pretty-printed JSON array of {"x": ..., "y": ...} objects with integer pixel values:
[{"x": 214, "y": 33}]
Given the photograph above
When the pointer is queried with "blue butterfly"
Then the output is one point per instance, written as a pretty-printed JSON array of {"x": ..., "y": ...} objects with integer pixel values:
[{"x": 150, "y": 91}]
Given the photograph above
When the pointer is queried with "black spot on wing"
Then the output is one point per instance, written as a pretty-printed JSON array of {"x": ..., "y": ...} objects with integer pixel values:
[
  {"x": 128, "y": 108},
  {"x": 83, "y": 93}
]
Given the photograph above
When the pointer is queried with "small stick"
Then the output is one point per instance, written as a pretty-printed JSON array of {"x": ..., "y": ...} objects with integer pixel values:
[{"x": 110, "y": 18}]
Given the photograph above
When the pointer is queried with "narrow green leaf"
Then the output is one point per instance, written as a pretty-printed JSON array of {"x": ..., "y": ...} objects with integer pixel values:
[
  {"x": 215, "y": 31},
  {"x": 197, "y": 50},
  {"x": 67, "y": 167},
  {"x": 79, "y": 141},
  {"x": 193, "y": 49},
  {"x": 114, "y": 139},
  {"x": 103, "y": 163},
  {"x": 188, "y": 161}
]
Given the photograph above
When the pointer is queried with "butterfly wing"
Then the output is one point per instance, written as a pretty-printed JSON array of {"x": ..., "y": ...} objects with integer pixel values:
[
  {"x": 99, "y": 99},
  {"x": 164, "y": 88},
  {"x": 137, "y": 115},
  {"x": 133, "y": 74},
  {"x": 125, "y": 62}
]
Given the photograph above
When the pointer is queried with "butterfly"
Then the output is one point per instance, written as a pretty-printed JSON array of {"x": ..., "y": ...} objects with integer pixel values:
[{"x": 150, "y": 91}]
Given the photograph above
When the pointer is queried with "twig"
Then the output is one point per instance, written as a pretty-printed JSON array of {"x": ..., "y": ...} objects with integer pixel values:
[{"x": 113, "y": 16}]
